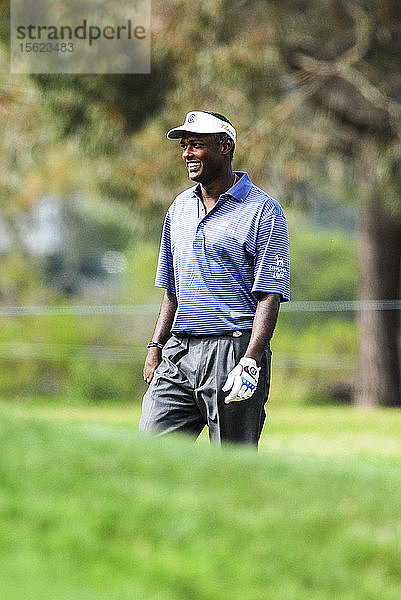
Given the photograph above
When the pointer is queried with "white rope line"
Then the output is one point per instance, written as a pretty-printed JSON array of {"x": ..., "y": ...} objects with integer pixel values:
[
  {"x": 132, "y": 309},
  {"x": 315, "y": 361},
  {"x": 130, "y": 354},
  {"x": 79, "y": 309},
  {"x": 341, "y": 305},
  {"x": 56, "y": 351}
]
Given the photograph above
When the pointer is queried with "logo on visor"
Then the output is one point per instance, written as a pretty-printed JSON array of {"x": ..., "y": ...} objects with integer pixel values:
[{"x": 191, "y": 118}]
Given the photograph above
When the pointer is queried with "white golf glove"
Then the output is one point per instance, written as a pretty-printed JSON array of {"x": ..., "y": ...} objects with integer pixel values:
[{"x": 242, "y": 380}]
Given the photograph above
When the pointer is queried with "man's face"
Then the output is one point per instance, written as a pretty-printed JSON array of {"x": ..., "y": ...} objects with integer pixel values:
[{"x": 203, "y": 157}]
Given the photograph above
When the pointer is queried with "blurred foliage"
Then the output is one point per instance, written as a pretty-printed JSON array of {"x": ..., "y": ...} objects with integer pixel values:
[
  {"x": 94, "y": 357},
  {"x": 295, "y": 135},
  {"x": 305, "y": 83},
  {"x": 315, "y": 364},
  {"x": 323, "y": 267},
  {"x": 72, "y": 356},
  {"x": 314, "y": 91},
  {"x": 92, "y": 510},
  {"x": 323, "y": 263}
]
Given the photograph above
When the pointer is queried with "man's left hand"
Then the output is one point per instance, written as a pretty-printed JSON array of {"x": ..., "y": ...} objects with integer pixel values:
[{"x": 242, "y": 380}]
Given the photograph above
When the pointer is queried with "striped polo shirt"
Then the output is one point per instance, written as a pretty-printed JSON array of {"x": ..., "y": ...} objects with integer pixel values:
[{"x": 217, "y": 262}]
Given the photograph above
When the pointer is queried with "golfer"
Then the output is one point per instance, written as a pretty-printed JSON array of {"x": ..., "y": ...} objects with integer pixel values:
[{"x": 224, "y": 266}]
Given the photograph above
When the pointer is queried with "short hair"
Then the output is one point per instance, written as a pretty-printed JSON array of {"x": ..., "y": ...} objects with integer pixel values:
[{"x": 223, "y": 137}]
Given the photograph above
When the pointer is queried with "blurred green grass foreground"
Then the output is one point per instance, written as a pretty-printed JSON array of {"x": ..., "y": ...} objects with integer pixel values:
[{"x": 90, "y": 510}]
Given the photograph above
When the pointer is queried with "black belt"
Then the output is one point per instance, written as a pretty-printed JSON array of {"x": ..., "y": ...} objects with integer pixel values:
[{"x": 235, "y": 334}]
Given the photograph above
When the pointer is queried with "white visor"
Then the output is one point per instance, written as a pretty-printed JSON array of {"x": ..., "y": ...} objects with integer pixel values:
[{"x": 197, "y": 121}]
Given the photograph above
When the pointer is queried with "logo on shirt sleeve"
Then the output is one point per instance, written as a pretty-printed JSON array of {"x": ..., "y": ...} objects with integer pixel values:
[{"x": 279, "y": 271}]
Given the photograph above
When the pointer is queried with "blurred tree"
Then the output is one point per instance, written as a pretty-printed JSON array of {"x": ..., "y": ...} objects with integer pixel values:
[{"x": 345, "y": 58}]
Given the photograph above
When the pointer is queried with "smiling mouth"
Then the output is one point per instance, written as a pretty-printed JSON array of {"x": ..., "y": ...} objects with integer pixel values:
[{"x": 193, "y": 166}]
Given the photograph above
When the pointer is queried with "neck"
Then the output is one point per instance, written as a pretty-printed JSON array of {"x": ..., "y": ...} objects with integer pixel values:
[{"x": 212, "y": 191}]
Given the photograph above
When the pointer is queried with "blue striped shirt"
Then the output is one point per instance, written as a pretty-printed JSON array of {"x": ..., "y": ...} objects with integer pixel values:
[{"x": 216, "y": 263}]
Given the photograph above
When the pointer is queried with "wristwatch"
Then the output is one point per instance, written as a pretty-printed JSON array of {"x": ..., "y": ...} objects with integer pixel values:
[{"x": 155, "y": 345}]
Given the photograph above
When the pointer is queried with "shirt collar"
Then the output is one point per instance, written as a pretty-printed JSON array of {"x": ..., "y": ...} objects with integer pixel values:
[{"x": 238, "y": 192}]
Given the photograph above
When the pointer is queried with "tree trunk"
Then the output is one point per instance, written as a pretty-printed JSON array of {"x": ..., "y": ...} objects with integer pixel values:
[{"x": 378, "y": 373}]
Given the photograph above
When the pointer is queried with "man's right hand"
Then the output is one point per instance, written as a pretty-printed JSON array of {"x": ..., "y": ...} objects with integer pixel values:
[{"x": 153, "y": 359}]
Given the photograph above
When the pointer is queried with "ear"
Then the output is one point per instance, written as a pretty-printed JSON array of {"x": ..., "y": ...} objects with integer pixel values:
[{"x": 226, "y": 146}]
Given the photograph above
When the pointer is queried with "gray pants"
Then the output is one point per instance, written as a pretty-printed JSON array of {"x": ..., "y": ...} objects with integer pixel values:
[{"x": 185, "y": 392}]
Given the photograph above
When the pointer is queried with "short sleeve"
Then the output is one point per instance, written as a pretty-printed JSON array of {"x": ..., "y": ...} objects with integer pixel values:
[
  {"x": 165, "y": 269},
  {"x": 272, "y": 261}
]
